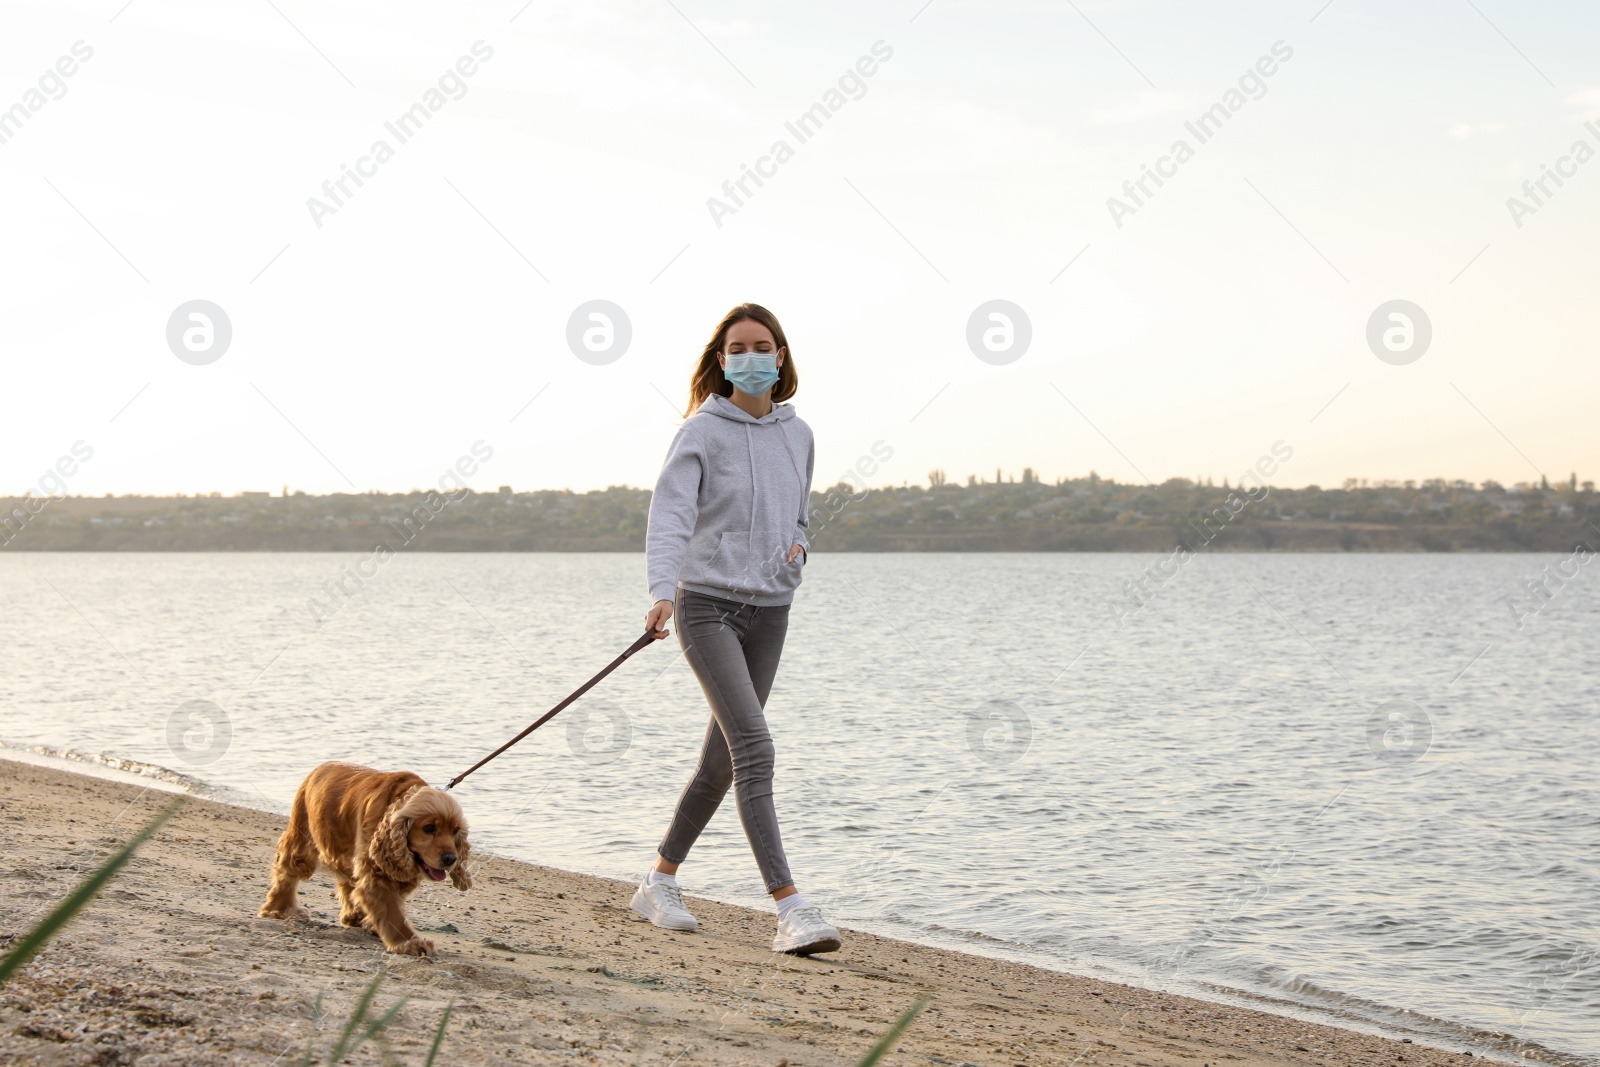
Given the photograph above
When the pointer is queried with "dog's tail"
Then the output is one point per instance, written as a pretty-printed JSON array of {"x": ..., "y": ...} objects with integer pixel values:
[
  {"x": 297, "y": 849},
  {"x": 296, "y": 860}
]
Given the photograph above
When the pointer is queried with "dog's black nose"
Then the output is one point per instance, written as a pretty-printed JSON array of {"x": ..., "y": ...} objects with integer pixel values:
[{"x": 448, "y": 859}]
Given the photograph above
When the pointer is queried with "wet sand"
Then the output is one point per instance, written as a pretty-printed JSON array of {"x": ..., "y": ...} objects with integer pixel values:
[{"x": 169, "y": 965}]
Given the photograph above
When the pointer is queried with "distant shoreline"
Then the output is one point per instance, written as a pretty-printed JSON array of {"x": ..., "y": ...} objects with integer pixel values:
[
  {"x": 1083, "y": 515},
  {"x": 1319, "y": 539}
]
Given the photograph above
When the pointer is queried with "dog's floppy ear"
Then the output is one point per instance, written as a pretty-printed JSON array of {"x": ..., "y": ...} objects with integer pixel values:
[
  {"x": 389, "y": 850},
  {"x": 460, "y": 877}
]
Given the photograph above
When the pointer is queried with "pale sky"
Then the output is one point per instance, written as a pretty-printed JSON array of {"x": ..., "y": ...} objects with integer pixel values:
[{"x": 575, "y": 163}]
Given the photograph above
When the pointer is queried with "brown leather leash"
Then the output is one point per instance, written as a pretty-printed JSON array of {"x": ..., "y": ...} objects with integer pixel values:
[{"x": 645, "y": 639}]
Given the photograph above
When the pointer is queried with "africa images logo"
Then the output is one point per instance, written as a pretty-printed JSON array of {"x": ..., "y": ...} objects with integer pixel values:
[
  {"x": 403, "y": 128},
  {"x": 806, "y": 126},
  {"x": 1203, "y": 128}
]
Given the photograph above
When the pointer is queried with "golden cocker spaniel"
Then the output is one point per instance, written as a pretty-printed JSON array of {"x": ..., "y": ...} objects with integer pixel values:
[{"x": 381, "y": 833}]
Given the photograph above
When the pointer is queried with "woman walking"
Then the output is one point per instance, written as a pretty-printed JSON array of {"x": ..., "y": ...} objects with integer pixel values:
[{"x": 725, "y": 546}]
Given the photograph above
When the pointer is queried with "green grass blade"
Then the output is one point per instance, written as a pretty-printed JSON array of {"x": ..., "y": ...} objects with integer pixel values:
[
  {"x": 342, "y": 1049},
  {"x": 379, "y": 1024},
  {"x": 51, "y": 924},
  {"x": 438, "y": 1035},
  {"x": 878, "y": 1051}
]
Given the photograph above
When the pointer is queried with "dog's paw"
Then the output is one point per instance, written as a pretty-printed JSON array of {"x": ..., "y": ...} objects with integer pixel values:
[
  {"x": 353, "y": 918},
  {"x": 296, "y": 912},
  {"x": 417, "y": 946}
]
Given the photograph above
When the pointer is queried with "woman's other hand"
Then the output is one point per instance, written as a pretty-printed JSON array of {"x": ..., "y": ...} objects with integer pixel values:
[
  {"x": 656, "y": 618},
  {"x": 794, "y": 552}
]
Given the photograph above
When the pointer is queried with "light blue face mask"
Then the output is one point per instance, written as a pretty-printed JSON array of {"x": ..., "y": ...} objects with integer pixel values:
[{"x": 752, "y": 373}]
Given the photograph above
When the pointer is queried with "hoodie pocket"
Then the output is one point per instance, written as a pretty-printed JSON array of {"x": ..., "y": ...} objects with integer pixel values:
[
  {"x": 753, "y": 560},
  {"x": 724, "y": 561},
  {"x": 769, "y": 557}
]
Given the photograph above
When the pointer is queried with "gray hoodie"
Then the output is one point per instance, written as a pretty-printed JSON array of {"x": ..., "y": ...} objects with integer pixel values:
[{"x": 730, "y": 501}]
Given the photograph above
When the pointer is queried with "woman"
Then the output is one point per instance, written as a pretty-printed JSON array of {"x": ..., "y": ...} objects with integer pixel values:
[{"x": 724, "y": 549}]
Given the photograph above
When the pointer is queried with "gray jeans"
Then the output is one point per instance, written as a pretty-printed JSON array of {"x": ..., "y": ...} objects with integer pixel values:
[{"x": 733, "y": 649}]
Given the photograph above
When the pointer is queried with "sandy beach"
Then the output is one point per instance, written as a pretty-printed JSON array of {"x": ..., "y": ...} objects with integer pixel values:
[{"x": 170, "y": 966}]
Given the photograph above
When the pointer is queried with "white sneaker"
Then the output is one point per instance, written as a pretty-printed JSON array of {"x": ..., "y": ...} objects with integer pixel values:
[
  {"x": 803, "y": 932},
  {"x": 662, "y": 904}
]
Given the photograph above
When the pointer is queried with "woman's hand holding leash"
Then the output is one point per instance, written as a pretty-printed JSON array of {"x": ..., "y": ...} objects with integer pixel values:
[{"x": 655, "y": 620}]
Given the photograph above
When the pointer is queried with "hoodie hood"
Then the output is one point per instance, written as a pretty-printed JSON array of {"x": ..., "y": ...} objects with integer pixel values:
[{"x": 716, "y": 404}]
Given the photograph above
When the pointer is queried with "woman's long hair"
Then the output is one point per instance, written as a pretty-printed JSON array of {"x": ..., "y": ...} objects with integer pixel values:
[{"x": 707, "y": 377}]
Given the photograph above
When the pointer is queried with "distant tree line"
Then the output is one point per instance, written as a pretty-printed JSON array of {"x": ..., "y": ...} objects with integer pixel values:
[{"x": 1008, "y": 514}]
